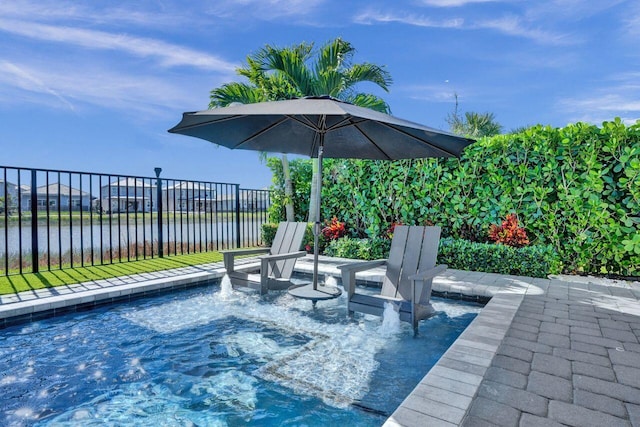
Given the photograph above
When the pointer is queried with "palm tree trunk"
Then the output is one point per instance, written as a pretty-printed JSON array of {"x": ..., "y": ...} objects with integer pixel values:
[{"x": 288, "y": 190}]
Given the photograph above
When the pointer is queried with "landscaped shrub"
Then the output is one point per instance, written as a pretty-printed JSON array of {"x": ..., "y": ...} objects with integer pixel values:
[
  {"x": 367, "y": 249},
  {"x": 333, "y": 229},
  {"x": 576, "y": 188},
  {"x": 268, "y": 233},
  {"x": 533, "y": 261},
  {"x": 509, "y": 233}
]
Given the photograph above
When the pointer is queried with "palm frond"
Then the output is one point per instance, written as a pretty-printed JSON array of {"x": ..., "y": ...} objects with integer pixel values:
[
  {"x": 235, "y": 92},
  {"x": 335, "y": 55},
  {"x": 366, "y": 72},
  {"x": 290, "y": 62},
  {"x": 369, "y": 101}
]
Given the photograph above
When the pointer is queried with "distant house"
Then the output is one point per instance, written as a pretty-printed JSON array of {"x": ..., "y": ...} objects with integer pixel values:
[
  {"x": 250, "y": 201},
  {"x": 188, "y": 196},
  {"x": 9, "y": 195},
  {"x": 128, "y": 195},
  {"x": 53, "y": 194}
]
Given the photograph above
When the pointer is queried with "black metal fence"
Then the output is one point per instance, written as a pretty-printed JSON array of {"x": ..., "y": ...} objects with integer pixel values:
[{"x": 55, "y": 219}]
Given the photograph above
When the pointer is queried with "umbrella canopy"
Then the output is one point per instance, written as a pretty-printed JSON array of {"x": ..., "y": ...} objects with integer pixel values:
[
  {"x": 319, "y": 127},
  {"x": 297, "y": 126}
]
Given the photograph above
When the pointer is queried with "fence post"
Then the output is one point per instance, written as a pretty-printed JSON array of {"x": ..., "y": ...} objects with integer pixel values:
[
  {"x": 159, "y": 204},
  {"x": 34, "y": 222},
  {"x": 237, "y": 215}
]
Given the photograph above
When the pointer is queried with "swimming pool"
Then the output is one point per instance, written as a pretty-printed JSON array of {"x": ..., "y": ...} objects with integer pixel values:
[{"x": 209, "y": 357}]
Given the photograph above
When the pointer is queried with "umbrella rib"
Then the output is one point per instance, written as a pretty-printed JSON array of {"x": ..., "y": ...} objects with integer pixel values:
[
  {"x": 372, "y": 142},
  {"x": 208, "y": 122},
  {"x": 261, "y": 132},
  {"x": 306, "y": 122},
  {"x": 449, "y": 153},
  {"x": 399, "y": 130}
]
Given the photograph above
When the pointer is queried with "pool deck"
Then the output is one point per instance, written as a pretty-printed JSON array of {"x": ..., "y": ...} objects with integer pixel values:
[{"x": 543, "y": 352}]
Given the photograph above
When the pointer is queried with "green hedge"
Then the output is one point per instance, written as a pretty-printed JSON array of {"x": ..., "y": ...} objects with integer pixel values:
[
  {"x": 575, "y": 188},
  {"x": 532, "y": 261},
  {"x": 349, "y": 247},
  {"x": 268, "y": 233}
]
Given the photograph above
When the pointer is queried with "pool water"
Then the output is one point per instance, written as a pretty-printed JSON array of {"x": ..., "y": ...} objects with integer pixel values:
[{"x": 203, "y": 357}]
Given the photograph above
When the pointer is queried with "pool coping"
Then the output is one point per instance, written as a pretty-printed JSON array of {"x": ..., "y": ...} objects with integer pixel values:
[
  {"x": 442, "y": 397},
  {"x": 445, "y": 394},
  {"x": 50, "y": 302}
]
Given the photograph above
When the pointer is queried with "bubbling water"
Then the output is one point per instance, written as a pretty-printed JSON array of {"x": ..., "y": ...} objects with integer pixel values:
[
  {"x": 330, "y": 281},
  {"x": 226, "y": 289},
  {"x": 390, "y": 320}
]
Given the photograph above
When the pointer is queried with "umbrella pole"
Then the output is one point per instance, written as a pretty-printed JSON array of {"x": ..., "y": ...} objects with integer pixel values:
[{"x": 316, "y": 226}]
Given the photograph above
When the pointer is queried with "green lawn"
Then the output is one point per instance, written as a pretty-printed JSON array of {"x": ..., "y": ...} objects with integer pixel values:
[{"x": 31, "y": 281}]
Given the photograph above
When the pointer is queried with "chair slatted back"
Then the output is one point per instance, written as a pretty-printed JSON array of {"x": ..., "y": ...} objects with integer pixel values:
[
  {"x": 413, "y": 249},
  {"x": 288, "y": 238}
]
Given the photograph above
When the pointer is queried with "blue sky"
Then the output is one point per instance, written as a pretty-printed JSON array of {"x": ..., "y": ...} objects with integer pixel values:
[{"x": 94, "y": 85}]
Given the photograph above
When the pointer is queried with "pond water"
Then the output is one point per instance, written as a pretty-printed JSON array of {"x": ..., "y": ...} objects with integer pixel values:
[
  {"x": 212, "y": 357},
  {"x": 61, "y": 238}
]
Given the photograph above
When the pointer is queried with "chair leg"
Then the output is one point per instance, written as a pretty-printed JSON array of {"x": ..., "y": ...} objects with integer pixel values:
[{"x": 414, "y": 320}]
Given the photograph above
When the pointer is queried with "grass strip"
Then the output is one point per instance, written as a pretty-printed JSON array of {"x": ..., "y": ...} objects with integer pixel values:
[{"x": 48, "y": 279}]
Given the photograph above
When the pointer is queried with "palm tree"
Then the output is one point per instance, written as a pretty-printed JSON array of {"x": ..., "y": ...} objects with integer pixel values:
[
  {"x": 329, "y": 71},
  {"x": 261, "y": 87},
  {"x": 473, "y": 125},
  {"x": 476, "y": 125}
]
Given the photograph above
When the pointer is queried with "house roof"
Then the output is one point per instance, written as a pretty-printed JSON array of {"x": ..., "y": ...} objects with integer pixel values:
[
  {"x": 130, "y": 182},
  {"x": 64, "y": 190},
  {"x": 189, "y": 185},
  {"x": 8, "y": 183}
]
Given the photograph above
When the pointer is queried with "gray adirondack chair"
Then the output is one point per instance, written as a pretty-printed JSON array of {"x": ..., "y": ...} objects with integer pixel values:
[
  {"x": 276, "y": 267},
  {"x": 411, "y": 268}
]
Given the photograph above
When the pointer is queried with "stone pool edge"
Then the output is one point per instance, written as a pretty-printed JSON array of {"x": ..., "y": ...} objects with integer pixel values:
[
  {"x": 51, "y": 302},
  {"x": 444, "y": 395}
]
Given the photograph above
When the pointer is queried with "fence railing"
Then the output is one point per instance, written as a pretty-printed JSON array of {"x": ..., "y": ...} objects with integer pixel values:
[{"x": 57, "y": 219}]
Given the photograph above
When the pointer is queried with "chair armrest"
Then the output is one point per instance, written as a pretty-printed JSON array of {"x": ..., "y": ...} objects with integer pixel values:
[
  {"x": 278, "y": 257},
  {"x": 236, "y": 252},
  {"x": 349, "y": 273},
  {"x": 430, "y": 273},
  {"x": 361, "y": 266},
  {"x": 230, "y": 255},
  {"x": 421, "y": 277}
]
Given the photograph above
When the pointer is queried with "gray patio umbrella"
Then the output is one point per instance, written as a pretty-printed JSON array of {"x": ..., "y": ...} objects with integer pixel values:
[{"x": 319, "y": 127}]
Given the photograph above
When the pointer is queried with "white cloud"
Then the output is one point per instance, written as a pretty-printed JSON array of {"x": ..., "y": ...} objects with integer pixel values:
[
  {"x": 509, "y": 25},
  {"x": 169, "y": 55},
  {"x": 454, "y": 3},
  {"x": 632, "y": 21},
  {"x": 620, "y": 98},
  {"x": 96, "y": 14},
  {"x": 264, "y": 10},
  {"x": 67, "y": 87},
  {"x": 514, "y": 26},
  {"x": 431, "y": 92},
  {"x": 15, "y": 76},
  {"x": 372, "y": 17},
  {"x": 564, "y": 11},
  {"x": 609, "y": 102}
]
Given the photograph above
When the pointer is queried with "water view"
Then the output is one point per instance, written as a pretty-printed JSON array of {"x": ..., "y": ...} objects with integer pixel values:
[
  {"x": 216, "y": 357},
  {"x": 60, "y": 239}
]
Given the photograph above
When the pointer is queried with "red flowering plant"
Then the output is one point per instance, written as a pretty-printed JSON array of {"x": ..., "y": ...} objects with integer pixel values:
[
  {"x": 333, "y": 229},
  {"x": 509, "y": 233},
  {"x": 391, "y": 228}
]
